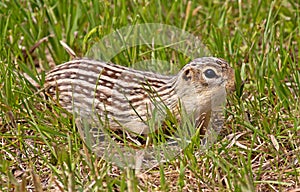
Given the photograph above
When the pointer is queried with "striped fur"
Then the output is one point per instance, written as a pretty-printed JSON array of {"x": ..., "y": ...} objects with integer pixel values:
[{"x": 128, "y": 97}]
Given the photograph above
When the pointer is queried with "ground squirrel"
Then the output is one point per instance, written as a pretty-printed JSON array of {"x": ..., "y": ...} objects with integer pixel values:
[{"x": 128, "y": 97}]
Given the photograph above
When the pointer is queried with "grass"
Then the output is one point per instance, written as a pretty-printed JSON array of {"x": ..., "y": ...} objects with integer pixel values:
[{"x": 258, "y": 149}]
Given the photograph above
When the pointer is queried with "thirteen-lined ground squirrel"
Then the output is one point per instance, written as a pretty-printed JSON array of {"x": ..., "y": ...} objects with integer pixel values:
[{"x": 128, "y": 98}]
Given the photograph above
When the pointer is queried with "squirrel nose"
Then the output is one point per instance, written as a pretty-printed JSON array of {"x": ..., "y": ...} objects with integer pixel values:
[{"x": 230, "y": 85}]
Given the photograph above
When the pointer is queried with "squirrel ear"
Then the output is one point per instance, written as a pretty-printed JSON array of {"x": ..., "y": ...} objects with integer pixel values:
[{"x": 188, "y": 74}]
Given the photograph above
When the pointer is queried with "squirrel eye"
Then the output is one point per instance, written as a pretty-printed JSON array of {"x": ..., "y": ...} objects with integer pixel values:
[{"x": 209, "y": 73}]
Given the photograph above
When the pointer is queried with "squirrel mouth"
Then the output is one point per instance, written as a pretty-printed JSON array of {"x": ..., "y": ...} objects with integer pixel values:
[
  {"x": 229, "y": 85},
  {"x": 222, "y": 82}
]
